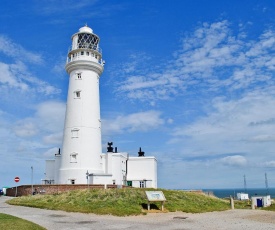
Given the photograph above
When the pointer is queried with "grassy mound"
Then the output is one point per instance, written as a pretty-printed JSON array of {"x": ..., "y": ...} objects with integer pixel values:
[
  {"x": 121, "y": 202},
  {"x": 12, "y": 222}
]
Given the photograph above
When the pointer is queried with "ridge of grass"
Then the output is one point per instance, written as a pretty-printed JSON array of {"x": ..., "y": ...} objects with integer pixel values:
[
  {"x": 12, "y": 222},
  {"x": 122, "y": 202}
]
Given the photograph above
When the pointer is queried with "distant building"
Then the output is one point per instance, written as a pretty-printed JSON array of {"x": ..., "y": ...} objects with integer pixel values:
[
  {"x": 261, "y": 201},
  {"x": 242, "y": 196},
  {"x": 81, "y": 160}
]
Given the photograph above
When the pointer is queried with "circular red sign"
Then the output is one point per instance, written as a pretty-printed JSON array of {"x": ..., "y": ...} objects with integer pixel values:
[{"x": 16, "y": 179}]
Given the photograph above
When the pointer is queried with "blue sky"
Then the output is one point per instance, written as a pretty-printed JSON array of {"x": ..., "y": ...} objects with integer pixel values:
[{"x": 191, "y": 82}]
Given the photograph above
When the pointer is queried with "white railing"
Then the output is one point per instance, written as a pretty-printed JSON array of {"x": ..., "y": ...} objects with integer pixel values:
[
  {"x": 87, "y": 47},
  {"x": 101, "y": 62}
]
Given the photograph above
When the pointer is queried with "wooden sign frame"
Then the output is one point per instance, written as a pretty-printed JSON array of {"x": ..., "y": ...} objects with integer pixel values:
[{"x": 153, "y": 196}]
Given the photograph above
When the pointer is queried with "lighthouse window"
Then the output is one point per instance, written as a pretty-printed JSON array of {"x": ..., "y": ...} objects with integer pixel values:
[
  {"x": 87, "y": 40},
  {"x": 75, "y": 133},
  {"x": 77, "y": 94},
  {"x": 73, "y": 158},
  {"x": 78, "y": 75}
]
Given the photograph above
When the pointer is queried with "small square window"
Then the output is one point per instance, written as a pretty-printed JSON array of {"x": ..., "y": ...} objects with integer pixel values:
[
  {"x": 82, "y": 53},
  {"x": 77, "y": 94},
  {"x": 78, "y": 75},
  {"x": 75, "y": 133},
  {"x": 73, "y": 158}
]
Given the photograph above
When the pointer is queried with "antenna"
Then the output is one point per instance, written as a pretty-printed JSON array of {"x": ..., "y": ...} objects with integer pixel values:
[
  {"x": 244, "y": 183},
  {"x": 266, "y": 184}
]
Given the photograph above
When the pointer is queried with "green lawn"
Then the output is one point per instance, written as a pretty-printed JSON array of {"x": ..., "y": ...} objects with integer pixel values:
[
  {"x": 14, "y": 223},
  {"x": 122, "y": 202}
]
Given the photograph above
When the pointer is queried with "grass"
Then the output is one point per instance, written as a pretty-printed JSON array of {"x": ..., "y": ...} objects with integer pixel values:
[
  {"x": 12, "y": 222},
  {"x": 122, "y": 202},
  {"x": 270, "y": 208}
]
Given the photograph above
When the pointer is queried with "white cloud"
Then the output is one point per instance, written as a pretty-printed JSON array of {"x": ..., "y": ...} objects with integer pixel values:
[
  {"x": 212, "y": 59},
  {"x": 50, "y": 115},
  {"x": 25, "y": 128},
  {"x": 170, "y": 121},
  {"x": 270, "y": 164},
  {"x": 16, "y": 75},
  {"x": 142, "y": 121},
  {"x": 243, "y": 125},
  {"x": 50, "y": 152},
  {"x": 55, "y": 138},
  {"x": 236, "y": 160},
  {"x": 11, "y": 49},
  {"x": 45, "y": 125},
  {"x": 8, "y": 77}
]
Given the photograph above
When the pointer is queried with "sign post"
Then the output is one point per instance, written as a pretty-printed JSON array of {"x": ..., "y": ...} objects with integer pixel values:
[
  {"x": 87, "y": 177},
  {"x": 16, "y": 179},
  {"x": 153, "y": 196}
]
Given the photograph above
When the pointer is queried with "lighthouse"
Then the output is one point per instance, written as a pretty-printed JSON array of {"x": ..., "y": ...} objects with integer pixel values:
[
  {"x": 81, "y": 150},
  {"x": 81, "y": 160}
]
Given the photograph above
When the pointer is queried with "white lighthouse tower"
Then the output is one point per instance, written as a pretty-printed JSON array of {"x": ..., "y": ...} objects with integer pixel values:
[
  {"x": 81, "y": 160},
  {"x": 81, "y": 148}
]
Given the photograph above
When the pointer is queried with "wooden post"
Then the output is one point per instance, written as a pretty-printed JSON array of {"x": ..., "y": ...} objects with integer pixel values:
[
  {"x": 232, "y": 202},
  {"x": 252, "y": 204}
]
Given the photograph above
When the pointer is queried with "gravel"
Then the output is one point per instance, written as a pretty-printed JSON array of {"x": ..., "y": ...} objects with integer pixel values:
[{"x": 227, "y": 220}]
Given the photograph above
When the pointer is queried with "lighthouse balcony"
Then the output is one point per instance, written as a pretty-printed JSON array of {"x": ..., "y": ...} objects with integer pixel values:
[
  {"x": 84, "y": 54},
  {"x": 86, "y": 47}
]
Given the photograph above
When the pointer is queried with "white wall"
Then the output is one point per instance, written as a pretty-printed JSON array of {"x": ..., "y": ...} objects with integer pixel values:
[
  {"x": 49, "y": 171},
  {"x": 142, "y": 169},
  {"x": 100, "y": 179},
  {"x": 242, "y": 196},
  {"x": 119, "y": 168},
  {"x": 266, "y": 200}
]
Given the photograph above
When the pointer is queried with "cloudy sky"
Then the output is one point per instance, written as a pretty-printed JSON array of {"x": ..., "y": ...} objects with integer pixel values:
[{"x": 191, "y": 82}]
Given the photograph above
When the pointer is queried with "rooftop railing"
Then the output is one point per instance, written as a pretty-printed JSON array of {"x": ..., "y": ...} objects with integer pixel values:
[{"x": 87, "y": 47}]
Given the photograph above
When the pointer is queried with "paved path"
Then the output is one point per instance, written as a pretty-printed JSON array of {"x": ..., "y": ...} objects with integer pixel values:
[{"x": 226, "y": 220}]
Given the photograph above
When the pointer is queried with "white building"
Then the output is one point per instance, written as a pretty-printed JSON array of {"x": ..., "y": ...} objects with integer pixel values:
[
  {"x": 261, "y": 201},
  {"x": 242, "y": 196},
  {"x": 81, "y": 159}
]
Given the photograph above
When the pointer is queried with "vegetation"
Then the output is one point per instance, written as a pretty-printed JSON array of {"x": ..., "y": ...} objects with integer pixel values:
[
  {"x": 242, "y": 204},
  {"x": 270, "y": 208},
  {"x": 122, "y": 202},
  {"x": 12, "y": 222}
]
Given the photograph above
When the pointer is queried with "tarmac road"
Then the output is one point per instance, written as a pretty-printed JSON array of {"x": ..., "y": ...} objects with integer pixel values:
[{"x": 227, "y": 220}]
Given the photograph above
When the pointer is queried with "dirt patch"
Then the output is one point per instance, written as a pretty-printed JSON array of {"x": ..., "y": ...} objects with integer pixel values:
[{"x": 264, "y": 217}]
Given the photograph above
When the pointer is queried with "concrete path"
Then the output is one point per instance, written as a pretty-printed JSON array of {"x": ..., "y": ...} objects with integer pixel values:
[{"x": 227, "y": 220}]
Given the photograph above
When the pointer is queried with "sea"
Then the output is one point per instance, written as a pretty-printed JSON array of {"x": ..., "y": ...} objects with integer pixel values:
[{"x": 224, "y": 193}]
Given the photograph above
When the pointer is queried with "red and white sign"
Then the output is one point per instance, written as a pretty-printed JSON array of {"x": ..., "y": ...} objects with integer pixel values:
[{"x": 16, "y": 179}]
